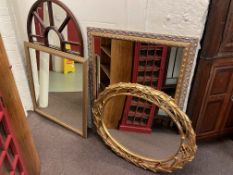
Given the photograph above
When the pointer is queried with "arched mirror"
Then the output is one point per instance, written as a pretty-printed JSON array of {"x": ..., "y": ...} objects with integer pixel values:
[{"x": 47, "y": 15}]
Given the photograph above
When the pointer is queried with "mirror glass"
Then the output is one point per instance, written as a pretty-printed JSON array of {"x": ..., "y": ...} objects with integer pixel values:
[
  {"x": 62, "y": 28},
  {"x": 136, "y": 124},
  {"x": 148, "y": 64},
  {"x": 142, "y": 128},
  {"x": 140, "y": 132},
  {"x": 58, "y": 86}
]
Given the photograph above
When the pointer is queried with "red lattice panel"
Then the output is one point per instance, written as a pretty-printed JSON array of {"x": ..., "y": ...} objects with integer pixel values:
[
  {"x": 148, "y": 69},
  {"x": 10, "y": 161}
]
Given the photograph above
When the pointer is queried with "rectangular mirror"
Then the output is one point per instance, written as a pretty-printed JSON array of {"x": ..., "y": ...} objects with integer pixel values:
[
  {"x": 58, "y": 82},
  {"x": 161, "y": 62}
]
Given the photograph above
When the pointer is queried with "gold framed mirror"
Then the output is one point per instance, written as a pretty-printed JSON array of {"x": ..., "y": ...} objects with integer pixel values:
[
  {"x": 136, "y": 151},
  {"x": 121, "y": 47},
  {"x": 146, "y": 128},
  {"x": 58, "y": 96}
]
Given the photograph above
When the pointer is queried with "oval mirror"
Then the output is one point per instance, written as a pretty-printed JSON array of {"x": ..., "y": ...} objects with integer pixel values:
[{"x": 144, "y": 126}]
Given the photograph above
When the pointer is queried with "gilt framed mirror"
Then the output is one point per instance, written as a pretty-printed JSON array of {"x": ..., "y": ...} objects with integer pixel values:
[
  {"x": 118, "y": 56},
  {"x": 58, "y": 96},
  {"x": 141, "y": 127}
]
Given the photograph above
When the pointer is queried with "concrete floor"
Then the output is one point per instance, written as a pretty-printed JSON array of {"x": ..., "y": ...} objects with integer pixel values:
[{"x": 65, "y": 153}]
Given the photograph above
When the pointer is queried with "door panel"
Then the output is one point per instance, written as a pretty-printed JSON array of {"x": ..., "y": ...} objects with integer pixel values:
[
  {"x": 216, "y": 107},
  {"x": 211, "y": 113},
  {"x": 221, "y": 81}
]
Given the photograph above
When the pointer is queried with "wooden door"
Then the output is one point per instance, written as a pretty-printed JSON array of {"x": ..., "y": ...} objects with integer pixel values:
[{"x": 217, "y": 106}]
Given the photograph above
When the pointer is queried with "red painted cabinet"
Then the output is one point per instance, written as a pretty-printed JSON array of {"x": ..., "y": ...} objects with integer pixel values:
[
  {"x": 148, "y": 69},
  {"x": 10, "y": 159},
  {"x": 137, "y": 62}
]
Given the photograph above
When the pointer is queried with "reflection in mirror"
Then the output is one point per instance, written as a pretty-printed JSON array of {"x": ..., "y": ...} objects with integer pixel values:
[
  {"x": 153, "y": 65},
  {"x": 51, "y": 21},
  {"x": 127, "y": 126},
  {"x": 58, "y": 86},
  {"x": 43, "y": 13},
  {"x": 59, "y": 14},
  {"x": 53, "y": 39}
]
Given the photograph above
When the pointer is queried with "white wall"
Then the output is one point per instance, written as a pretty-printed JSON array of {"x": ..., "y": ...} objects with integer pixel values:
[
  {"x": 7, "y": 31},
  {"x": 174, "y": 17}
]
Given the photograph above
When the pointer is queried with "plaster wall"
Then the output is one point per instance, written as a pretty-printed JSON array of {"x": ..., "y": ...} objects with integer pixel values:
[
  {"x": 7, "y": 30},
  {"x": 179, "y": 17}
]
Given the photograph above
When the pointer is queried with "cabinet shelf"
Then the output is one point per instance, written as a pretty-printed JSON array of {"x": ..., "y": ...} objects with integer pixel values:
[
  {"x": 138, "y": 114},
  {"x": 146, "y": 78},
  {"x": 141, "y": 104},
  {"x": 149, "y": 62},
  {"x": 106, "y": 50},
  {"x": 148, "y": 68},
  {"x": 150, "y": 58},
  {"x": 105, "y": 69}
]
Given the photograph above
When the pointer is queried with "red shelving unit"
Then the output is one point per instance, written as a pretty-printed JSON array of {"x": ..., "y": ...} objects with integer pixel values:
[
  {"x": 148, "y": 69},
  {"x": 10, "y": 161}
]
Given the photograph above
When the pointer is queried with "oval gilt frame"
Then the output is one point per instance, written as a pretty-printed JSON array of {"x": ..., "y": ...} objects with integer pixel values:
[{"x": 187, "y": 147}]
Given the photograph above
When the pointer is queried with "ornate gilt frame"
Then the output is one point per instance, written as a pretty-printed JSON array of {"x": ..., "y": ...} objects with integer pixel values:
[
  {"x": 79, "y": 59},
  {"x": 187, "y": 147},
  {"x": 189, "y": 44}
]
